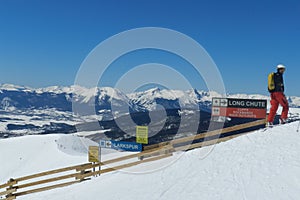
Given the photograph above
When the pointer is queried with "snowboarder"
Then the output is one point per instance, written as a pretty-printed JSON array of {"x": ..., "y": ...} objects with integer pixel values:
[{"x": 276, "y": 88}]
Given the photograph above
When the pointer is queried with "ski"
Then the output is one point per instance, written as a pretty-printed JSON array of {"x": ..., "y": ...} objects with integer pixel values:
[{"x": 289, "y": 120}]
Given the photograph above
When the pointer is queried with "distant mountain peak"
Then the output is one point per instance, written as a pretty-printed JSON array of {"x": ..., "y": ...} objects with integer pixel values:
[
  {"x": 61, "y": 98},
  {"x": 11, "y": 87}
]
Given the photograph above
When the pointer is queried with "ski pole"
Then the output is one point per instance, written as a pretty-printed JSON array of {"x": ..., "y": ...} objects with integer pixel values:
[{"x": 295, "y": 118}]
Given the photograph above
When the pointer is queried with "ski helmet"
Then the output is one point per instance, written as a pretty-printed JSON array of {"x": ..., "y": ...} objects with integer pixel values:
[{"x": 280, "y": 66}]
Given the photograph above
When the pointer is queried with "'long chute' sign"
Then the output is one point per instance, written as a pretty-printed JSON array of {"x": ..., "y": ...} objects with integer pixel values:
[{"x": 239, "y": 108}]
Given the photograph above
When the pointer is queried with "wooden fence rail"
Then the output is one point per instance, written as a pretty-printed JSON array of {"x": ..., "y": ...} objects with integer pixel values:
[
  {"x": 63, "y": 177},
  {"x": 79, "y": 173},
  {"x": 208, "y": 134}
]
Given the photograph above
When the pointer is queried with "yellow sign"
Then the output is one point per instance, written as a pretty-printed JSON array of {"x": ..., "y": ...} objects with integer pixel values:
[
  {"x": 142, "y": 134},
  {"x": 94, "y": 154}
]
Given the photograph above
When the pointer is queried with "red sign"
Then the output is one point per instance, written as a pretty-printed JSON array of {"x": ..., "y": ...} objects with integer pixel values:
[
  {"x": 239, "y": 108},
  {"x": 239, "y": 112}
]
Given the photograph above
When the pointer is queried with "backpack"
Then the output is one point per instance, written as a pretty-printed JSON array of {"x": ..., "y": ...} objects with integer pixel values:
[{"x": 271, "y": 82}]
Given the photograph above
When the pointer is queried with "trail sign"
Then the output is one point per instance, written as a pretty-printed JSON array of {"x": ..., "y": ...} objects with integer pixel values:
[
  {"x": 239, "y": 108},
  {"x": 121, "y": 145},
  {"x": 142, "y": 134},
  {"x": 94, "y": 154},
  {"x": 105, "y": 144},
  {"x": 126, "y": 146}
]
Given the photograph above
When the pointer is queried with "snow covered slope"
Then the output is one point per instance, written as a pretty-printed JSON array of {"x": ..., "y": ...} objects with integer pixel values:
[
  {"x": 260, "y": 165},
  {"x": 26, "y": 155}
]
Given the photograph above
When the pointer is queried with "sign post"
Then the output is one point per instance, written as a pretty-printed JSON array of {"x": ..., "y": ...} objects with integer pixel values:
[
  {"x": 142, "y": 134},
  {"x": 239, "y": 108}
]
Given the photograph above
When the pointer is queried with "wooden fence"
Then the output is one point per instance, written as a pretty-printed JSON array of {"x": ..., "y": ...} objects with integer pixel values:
[{"x": 75, "y": 174}]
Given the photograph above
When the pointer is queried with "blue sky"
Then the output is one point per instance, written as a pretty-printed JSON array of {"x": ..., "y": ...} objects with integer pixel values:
[{"x": 43, "y": 43}]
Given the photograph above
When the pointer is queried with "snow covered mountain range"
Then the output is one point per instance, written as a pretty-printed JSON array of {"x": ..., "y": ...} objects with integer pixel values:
[
  {"x": 60, "y": 98},
  {"x": 25, "y": 110}
]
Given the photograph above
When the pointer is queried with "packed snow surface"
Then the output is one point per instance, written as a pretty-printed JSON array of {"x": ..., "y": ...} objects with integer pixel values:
[{"x": 259, "y": 165}]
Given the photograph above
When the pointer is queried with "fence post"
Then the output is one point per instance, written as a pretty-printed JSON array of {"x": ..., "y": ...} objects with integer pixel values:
[
  {"x": 80, "y": 175},
  {"x": 10, "y": 196}
]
